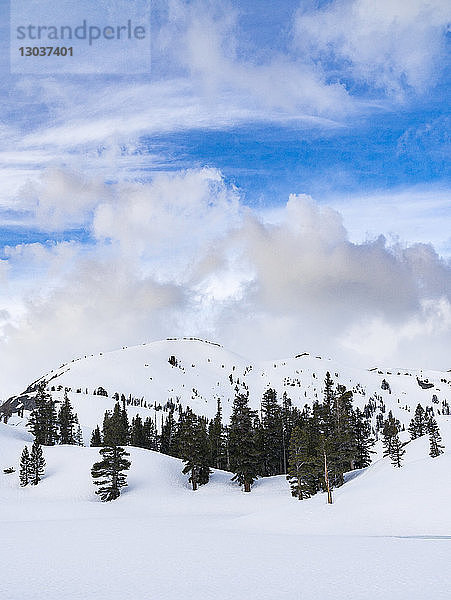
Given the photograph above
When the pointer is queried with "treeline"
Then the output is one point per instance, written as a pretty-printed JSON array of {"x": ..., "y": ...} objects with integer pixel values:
[{"x": 314, "y": 446}]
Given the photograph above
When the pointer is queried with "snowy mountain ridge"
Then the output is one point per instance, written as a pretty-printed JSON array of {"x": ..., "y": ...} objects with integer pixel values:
[{"x": 197, "y": 373}]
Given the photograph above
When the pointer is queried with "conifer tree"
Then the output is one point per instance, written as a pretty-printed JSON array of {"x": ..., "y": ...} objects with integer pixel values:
[
  {"x": 24, "y": 470},
  {"x": 67, "y": 423},
  {"x": 418, "y": 425},
  {"x": 37, "y": 463},
  {"x": 389, "y": 432},
  {"x": 361, "y": 440},
  {"x": 272, "y": 430},
  {"x": 289, "y": 420},
  {"x": 243, "y": 457},
  {"x": 302, "y": 463},
  {"x": 150, "y": 434},
  {"x": 78, "y": 437},
  {"x": 115, "y": 427},
  {"x": 137, "y": 432},
  {"x": 96, "y": 438},
  {"x": 109, "y": 473},
  {"x": 435, "y": 447},
  {"x": 193, "y": 446},
  {"x": 397, "y": 451},
  {"x": 217, "y": 441},
  {"x": 168, "y": 431},
  {"x": 43, "y": 418},
  {"x": 124, "y": 427},
  {"x": 342, "y": 451}
]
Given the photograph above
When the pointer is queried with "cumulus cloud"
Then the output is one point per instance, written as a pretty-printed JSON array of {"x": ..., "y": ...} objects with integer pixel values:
[{"x": 182, "y": 256}]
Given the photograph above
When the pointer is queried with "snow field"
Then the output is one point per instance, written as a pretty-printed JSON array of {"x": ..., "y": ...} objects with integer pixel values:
[{"x": 385, "y": 536}]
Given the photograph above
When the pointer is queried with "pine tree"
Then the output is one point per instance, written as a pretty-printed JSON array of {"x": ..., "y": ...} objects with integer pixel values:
[
  {"x": 109, "y": 473},
  {"x": 37, "y": 463},
  {"x": 418, "y": 425},
  {"x": 302, "y": 463},
  {"x": 24, "y": 471},
  {"x": 243, "y": 457},
  {"x": 389, "y": 432},
  {"x": 272, "y": 430},
  {"x": 193, "y": 447},
  {"x": 150, "y": 434},
  {"x": 78, "y": 437},
  {"x": 115, "y": 427},
  {"x": 43, "y": 418},
  {"x": 341, "y": 455},
  {"x": 361, "y": 440},
  {"x": 290, "y": 417},
  {"x": 67, "y": 423},
  {"x": 96, "y": 438},
  {"x": 436, "y": 448},
  {"x": 168, "y": 431},
  {"x": 124, "y": 428},
  {"x": 137, "y": 432},
  {"x": 216, "y": 440},
  {"x": 397, "y": 451}
]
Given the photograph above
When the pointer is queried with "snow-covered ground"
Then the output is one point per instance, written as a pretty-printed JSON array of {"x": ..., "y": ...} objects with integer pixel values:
[{"x": 387, "y": 535}]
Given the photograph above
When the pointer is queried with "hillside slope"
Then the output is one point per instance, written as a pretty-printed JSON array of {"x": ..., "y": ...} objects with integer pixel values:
[
  {"x": 196, "y": 373},
  {"x": 388, "y": 530}
]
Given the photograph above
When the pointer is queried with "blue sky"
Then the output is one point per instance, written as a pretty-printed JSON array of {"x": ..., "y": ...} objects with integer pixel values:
[
  {"x": 381, "y": 131},
  {"x": 336, "y": 111}
]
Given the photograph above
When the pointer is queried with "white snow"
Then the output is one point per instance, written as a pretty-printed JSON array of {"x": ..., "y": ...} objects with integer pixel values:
[
  {"x": 387, "y": 535},
  {"x": 145, "y": 373}
]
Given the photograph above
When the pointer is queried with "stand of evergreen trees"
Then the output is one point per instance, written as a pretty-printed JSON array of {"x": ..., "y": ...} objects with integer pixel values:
[
  {"x": 328, "y": 439},
  {"x": 32, "y": 465},
  {"x": 50, "y": 427},
  {"x": 279, "y": 439}
]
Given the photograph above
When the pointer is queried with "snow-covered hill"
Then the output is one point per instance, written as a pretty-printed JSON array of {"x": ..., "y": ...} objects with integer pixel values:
[
  {"x": 197, "y": 373},
  {"x": 387, "y": 531},
  {"x": 386, "y": 536}
]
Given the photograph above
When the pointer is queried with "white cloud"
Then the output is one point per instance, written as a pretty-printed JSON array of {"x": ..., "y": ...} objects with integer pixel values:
[
  {"x": 180, "y": 255},
  {"x": 414, "y": 214},
  {"x": 387, "y": 45}
]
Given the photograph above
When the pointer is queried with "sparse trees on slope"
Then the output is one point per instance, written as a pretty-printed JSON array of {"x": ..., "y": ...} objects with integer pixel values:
[
  {"x": 243, "y": 457},
  {"x": 24, "y": 469},
  {"x": 110, "y": 473},
  {"x": 37, "y": 463},
  {"x": 435, "y": 447}
]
